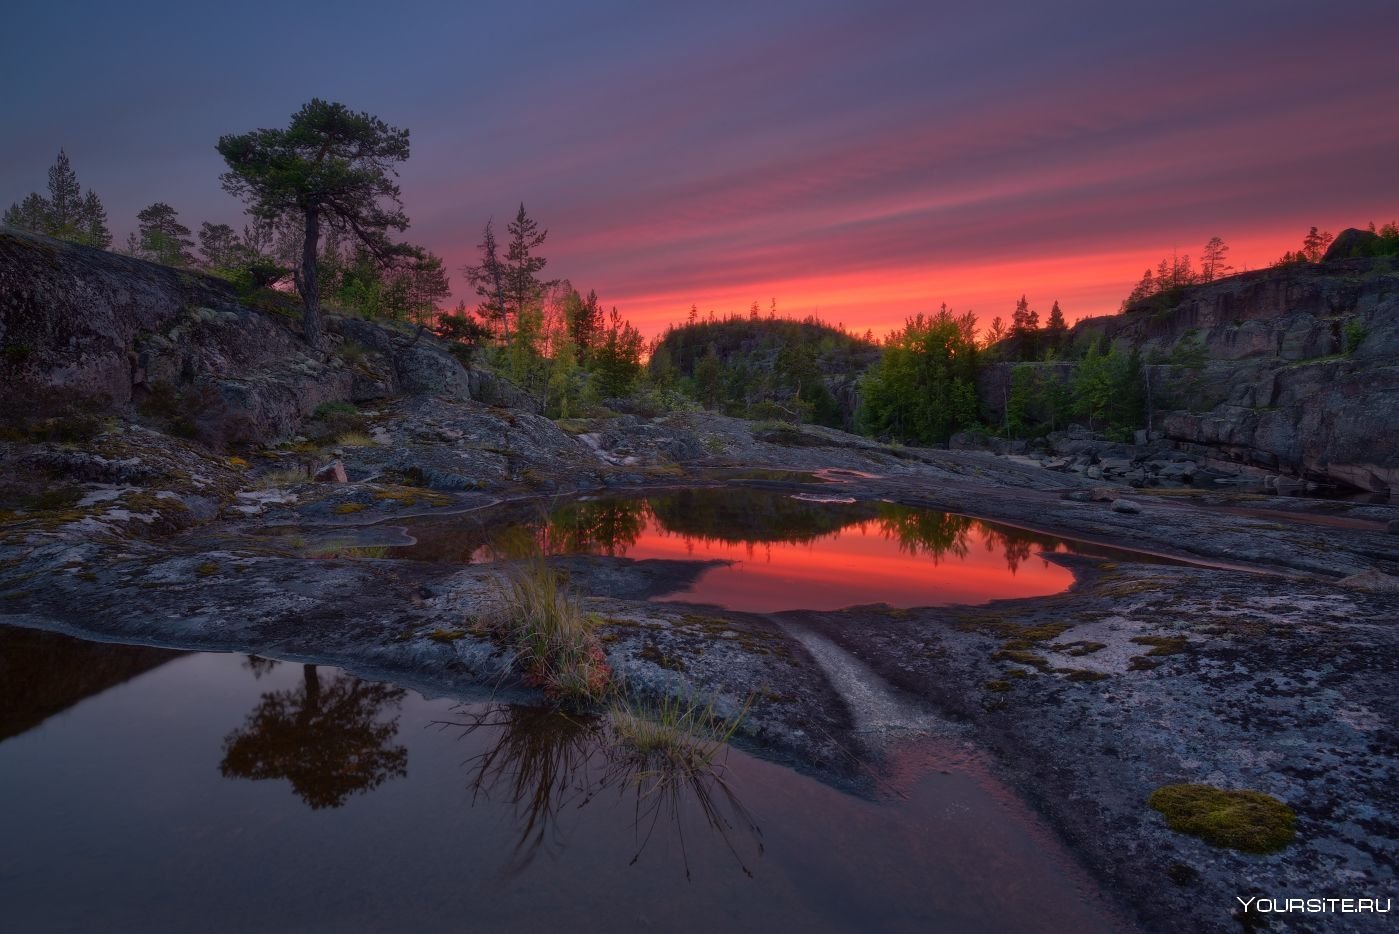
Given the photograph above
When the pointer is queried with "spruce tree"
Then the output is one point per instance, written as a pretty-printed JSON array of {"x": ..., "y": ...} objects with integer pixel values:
[
  {"x": 65, "y": 199},
  {"x": 488, "y": 278},
  {"x": 93, "y": 229},
  {"x": 1056, "y": 330},
  {"x": 524, "y": 288}
]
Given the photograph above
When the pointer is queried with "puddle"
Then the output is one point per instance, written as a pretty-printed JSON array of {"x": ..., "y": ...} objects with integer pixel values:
[
  {"x": 768, "y": 551},
  {"x": 160, "y": 791}
]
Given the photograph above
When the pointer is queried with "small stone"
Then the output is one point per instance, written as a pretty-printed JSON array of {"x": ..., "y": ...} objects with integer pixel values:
[
  {"x": 334, "y": 472},
  {"x": 1125, "y": 506}
]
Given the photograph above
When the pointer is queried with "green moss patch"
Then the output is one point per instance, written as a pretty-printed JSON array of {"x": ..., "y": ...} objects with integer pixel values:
[
  {"x": 1250, "y": 821},
  {"x": 1164, "y": 645},
  {"x": 1077, "y": 649},
  {"x": 447, "y": 635},
  {"x": 1022, "y": 657}
]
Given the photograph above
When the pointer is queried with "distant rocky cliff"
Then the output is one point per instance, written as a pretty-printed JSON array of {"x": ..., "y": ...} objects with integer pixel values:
[
  {"x": 83, "y": 327},
  {"x": 1292, "y": 369}
]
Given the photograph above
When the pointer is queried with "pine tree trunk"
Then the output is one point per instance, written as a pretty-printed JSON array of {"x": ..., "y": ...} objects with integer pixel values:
[{"x": 310, "y": 288}]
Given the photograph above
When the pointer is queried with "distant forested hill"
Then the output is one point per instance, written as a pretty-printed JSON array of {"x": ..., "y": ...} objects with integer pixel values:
[{"x": 767, "y": 367}]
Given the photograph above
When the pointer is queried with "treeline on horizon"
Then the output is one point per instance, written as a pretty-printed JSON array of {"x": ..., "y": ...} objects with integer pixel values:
[{"x": 323, "y": 206}]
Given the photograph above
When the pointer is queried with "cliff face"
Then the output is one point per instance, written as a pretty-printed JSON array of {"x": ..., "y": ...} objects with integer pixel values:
[
  {"x": 1294, "y": 369},
  {"x": 81, "y": 326}
]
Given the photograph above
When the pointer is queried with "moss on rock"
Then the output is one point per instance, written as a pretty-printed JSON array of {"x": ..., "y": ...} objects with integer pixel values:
[{"x": 1250, "y": 821}]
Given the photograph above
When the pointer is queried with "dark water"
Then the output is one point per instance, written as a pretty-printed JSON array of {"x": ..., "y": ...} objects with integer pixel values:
[
  {"x": 771, "y": 551},
  {"x": 211, "y": 792}
]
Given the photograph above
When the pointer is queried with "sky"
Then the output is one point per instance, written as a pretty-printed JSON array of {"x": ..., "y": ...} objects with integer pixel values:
[{"x": 860, "y": 160}]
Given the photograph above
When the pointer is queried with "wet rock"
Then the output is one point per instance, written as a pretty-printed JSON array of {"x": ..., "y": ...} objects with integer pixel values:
[
  {"x": 334, "y": 472},
  {"x": 1372, "y": 581}
]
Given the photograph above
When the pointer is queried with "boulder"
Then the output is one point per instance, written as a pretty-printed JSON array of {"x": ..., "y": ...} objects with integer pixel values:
[
  {"x": 1125, "y": 506},
  {"x": 334, "y": 472}
]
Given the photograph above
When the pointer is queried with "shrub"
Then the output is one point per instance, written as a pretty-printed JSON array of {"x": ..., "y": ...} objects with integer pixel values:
[{"x": 1354, "y": 334}]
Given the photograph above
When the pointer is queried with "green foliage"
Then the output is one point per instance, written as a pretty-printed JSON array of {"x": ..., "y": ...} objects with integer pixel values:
[
  {"x": 1107, "y": 390},
  {"x": 161, "y": 238},
  {"x": 331, "y": 165},
  {"x": 1242, "y": 820},
  {"x": 1039, "y": 400},
  {"x": 464, "y": 334},
  {"x": 754, "y": 366},
  {"x": 1354, "y": 335},
  {"x": 924, "y": 386},
  {"x": 615, "y": 360}
]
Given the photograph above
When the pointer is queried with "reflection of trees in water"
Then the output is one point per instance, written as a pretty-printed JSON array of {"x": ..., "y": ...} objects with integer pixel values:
[
  {"x": 733, "y": 516},
  {"x": 938, "y": 534},
  {"x": 925, "y": 532},
  {"x": 738, "y": 516},
  {"x": 547, "y": 763},
  {"x": 607, "y": 527},
  {"x": 327, "y": 738},
  {"x": 259, "y": 666}
]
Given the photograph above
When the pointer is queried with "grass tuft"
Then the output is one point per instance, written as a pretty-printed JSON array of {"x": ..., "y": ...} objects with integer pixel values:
[
  {"x": 555, "y": 637},
  {"x": 676, "y": 733}
]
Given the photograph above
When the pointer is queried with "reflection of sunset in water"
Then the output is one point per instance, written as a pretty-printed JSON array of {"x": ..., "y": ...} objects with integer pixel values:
[
  {"x": 782, "y": 553},
  {"x": 859, "y": 564}
]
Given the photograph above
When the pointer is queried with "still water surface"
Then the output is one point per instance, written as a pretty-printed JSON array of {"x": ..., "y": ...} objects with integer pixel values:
[
  {"x": 146, "y": 790},
  {"x": 771, "y": 551}
]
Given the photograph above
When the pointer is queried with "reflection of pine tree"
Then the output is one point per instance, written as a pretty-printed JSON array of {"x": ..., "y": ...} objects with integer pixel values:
[
  {"x": 326, "y": 739},
  {"x": 607, "y": 527}
]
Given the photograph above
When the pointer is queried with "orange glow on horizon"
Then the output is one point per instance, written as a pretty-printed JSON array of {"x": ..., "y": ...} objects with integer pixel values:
[{"x": 1085, "y": 285}]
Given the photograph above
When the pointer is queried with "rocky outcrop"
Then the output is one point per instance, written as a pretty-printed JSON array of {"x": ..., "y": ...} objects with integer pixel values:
[
  {"x": 1350, "y": 243},
  {"x": 1294, "y": 370},
  {"x": 83, "y": 327}
]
